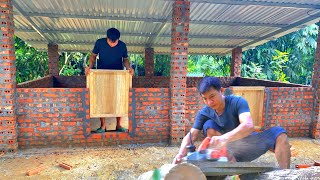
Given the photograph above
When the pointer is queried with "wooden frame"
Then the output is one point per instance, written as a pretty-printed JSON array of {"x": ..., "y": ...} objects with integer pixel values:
[{"x": 109, "y": 92}]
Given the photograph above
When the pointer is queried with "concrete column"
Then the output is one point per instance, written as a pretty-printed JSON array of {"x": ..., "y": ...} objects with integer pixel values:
[
  {"x": 236, "y": 62},
  {"x": 316, "y": 86},
  {"x": 53, "y": 59},
  {"x": 149, "y": 65},
  {"x": 178, "y": 69},
  {"x": 8, "y": 104}
]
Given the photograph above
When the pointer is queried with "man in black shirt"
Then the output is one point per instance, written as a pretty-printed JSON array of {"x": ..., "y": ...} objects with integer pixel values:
[{"x": 113, "y": 54}]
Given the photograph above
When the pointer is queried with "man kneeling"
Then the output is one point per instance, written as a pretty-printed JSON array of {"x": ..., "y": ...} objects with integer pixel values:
[{"x": 227, "y": 121}]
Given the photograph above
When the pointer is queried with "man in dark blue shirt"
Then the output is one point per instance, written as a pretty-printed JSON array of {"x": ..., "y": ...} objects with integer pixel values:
[
  {"x": 227, "y": 121},
  {"x": 113, "y": 54}
]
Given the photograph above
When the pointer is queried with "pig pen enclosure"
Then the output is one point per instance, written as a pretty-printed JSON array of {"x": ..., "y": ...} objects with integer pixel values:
[{"x": 54, "y": 111}]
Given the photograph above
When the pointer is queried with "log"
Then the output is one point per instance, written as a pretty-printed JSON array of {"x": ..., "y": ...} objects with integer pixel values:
[
  {"x": 292, "y": 174},
  {"x": 183, "y": 171}
]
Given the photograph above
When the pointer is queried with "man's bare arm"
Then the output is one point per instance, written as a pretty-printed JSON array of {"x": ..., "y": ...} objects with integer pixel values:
[
  {"x": 244, "y": 129},
  {"x": 126, "y": 63},
  {"x": 92, "y": 60}
]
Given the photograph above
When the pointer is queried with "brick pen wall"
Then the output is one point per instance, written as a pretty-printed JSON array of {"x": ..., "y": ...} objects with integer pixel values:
[
  {"x": 289, "y": 107},
  {"x": 52, "y": 116},
  {"x": 60, "y": 117},
  {"x": 148, "y": 120}
]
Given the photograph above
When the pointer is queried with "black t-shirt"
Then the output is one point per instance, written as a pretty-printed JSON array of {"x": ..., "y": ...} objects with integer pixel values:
[
  {"x": 229, "y": 119},
  {"x": 110, "y": 57}
]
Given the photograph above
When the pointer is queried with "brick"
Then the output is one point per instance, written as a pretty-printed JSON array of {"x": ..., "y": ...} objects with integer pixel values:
[
  {"x": 36, "y": 170},
  {"x": 65, "y": 166}
]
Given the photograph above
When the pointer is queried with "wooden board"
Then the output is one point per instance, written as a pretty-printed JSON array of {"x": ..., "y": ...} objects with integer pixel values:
[
  {"x": 210, "y": 168},
  {"x": 109, "y": 92},
  {"x": 255, "y": 96}
]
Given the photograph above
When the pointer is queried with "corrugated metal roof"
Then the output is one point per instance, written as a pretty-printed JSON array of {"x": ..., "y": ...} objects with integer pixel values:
[{"x": 216, "y": 26}]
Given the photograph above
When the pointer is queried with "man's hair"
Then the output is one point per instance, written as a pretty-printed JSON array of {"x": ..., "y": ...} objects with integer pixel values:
[
  {"x": 113, "y": 34},
  {"x": 209, "y": 82}
]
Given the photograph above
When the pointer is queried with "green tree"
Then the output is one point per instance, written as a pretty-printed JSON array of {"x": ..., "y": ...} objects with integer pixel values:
[
  {"x": 30, "y": 63},
  {"x": 73, "y": 63}
]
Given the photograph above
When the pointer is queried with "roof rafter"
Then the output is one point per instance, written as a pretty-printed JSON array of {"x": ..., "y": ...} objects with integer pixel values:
[
  {"x": 258, "y": 3},
  {"x": 141, "y": 34},
  {"x": 33, "y": 25},
  {"x": 160, "y": 29},
  {"x": 151, "y": 20},
  {"x": 130, "y": 44}
]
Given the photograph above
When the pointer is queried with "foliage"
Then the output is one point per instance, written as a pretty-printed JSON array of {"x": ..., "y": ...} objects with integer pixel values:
[
  {"x": 137, "y": 63},
  {"x": 30, "y": 63},
  {"x": 209, "y": 65},
  {"x": 73, "y": 64},
  {"x": 299, "y": 48},
  {"x": 162, "y": 65}
]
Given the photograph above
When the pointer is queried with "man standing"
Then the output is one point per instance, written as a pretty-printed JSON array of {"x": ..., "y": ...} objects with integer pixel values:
[
  {"x": 227, "y": 121},
  {"x": 113, "y": 54}
]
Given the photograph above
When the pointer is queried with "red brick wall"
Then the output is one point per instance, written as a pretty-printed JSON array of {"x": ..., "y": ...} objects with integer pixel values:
[
  {"x": 52, "y": 116},
  {"x": 60, "y": 117},
  {"x": 194, "y": 103},
  {"x": 150, "y": 82},
  {"x": 290, "y": 108}
]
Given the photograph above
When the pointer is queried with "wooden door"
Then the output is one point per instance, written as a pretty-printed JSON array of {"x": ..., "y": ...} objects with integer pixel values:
[{"x": 255, "y": 96}]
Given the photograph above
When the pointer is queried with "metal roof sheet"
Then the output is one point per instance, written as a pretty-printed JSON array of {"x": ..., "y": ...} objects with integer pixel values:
[{"x": 216, "y": 26}]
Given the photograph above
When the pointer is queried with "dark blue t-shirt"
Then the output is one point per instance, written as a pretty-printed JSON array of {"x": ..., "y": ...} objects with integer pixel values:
[
  {"x": 229, "y": 119},
  {"x": 110, "y": 57}
]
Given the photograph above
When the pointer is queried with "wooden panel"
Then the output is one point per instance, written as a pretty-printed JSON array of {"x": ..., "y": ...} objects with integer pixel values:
[
  {"x": 254, "y": 95},
  {"x": 109, "y": 93}
]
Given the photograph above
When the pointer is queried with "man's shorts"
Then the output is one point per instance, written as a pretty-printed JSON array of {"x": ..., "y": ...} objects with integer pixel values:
[{"x": 252, "y": 146}]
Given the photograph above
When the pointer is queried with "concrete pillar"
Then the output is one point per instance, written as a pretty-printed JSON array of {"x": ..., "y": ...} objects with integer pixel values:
[
  {"x": 8, "y": 104},
  {"x": 316, "y": 86},
  {"x": 178, "y": 69},
  {"x": 53, "y": 59},
  {"x": 236, "y": 62},
  {"x": 149, "y": 65}
]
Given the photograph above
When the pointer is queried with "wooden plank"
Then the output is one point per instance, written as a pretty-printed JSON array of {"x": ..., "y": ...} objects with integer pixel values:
[
  {"x": 255, "y": 97},
  {"x": 109, "y": 93},
  {"x": 210, "y": 168}
]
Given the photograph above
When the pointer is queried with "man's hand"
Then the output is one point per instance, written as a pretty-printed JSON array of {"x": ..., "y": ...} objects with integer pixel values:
[
  {"x": 217, "y": 142},
  {"x": 177, "y": 159},
  {"x": 86, "y": 71},
  {"x": 131, "y": 71}
]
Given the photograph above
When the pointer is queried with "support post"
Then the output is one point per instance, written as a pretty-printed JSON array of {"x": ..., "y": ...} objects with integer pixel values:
[
  {"x": 316, "y": 85},
  {"x": 149, "y": 65},
  {"x": 178, "y": 69},
  {"x": 53, "y": 59},
  {"x": 236, "y": 62},
  {"x": 8, "y": 104}
]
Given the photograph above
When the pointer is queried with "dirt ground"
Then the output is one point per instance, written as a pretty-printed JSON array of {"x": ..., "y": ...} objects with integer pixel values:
[{"x": 120, "y": 162}]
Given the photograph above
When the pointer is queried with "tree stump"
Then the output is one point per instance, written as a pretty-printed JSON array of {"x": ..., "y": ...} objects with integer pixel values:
[{"x": 183, "y": 171}]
